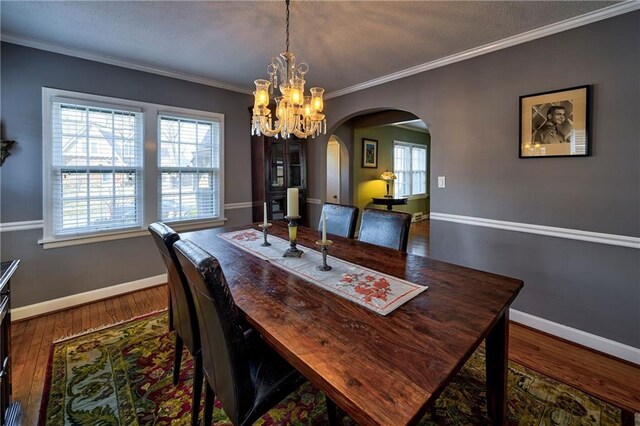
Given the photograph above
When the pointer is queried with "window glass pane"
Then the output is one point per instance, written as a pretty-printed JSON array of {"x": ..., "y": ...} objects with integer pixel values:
[
  {"x": 188, "y": 195},
  {"x": 410, "y": 167},
  {"x": 188, "y": 159},
  {"x": 97, "y": 175}
]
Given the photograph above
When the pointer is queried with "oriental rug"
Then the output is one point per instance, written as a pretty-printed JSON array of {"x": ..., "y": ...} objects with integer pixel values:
[{"x": 122, "y": 375}]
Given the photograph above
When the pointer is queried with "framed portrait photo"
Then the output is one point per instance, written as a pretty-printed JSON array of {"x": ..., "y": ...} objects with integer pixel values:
[
  {"x": 555, "y": 124},
  {"x": 369, "y": 153}
]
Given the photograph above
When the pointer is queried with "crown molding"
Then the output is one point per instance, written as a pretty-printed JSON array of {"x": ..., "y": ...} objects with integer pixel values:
[
  {"x": 413, "y": 129},
  {"x": 83, "y": 54},
  {"x": 568, "y": 24}
]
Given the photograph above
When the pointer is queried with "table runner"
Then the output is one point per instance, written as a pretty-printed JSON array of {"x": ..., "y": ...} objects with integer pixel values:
[{"x": 374, "y": 290}]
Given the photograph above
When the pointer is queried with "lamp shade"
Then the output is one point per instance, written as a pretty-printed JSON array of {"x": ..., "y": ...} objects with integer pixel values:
[{"x": 388, "y": 175}]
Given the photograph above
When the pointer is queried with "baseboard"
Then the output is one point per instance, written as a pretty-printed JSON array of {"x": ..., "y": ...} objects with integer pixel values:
[
  {"x": 66, "y": 302},
  {"x": 600, "y": 344}
]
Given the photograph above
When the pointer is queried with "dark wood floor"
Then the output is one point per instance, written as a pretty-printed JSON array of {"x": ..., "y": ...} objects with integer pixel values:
[
  {"x": 419, "y": 238},
  {"x": 602, "y": 376}
]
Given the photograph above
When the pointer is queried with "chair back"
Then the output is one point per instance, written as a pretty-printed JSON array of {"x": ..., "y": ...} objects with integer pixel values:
[
  {"x": 184, "y": 318},
  {"x": 224, "y": 358},
  {"x": 341, "y": 219},
  {"x": 385, "y": 228}
]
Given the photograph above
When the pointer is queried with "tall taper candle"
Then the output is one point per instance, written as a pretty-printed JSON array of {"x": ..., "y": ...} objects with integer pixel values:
[
  {"x": 265, "y": 213},
  {"x": 324, "y": 228},
  {"x": 292, "y": 202}
]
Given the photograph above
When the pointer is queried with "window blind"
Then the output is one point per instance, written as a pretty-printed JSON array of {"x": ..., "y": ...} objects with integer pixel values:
[
  {"x": 96, "y": 167},
  {"x": 189, "y": 168}
]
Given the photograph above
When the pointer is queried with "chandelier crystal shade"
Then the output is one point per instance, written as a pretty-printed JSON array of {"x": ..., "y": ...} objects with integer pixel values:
[{"x": 295, "y": 113}]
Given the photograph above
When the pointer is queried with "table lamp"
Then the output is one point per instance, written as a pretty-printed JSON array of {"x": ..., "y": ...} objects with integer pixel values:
[{"x": 387, "y": 177}]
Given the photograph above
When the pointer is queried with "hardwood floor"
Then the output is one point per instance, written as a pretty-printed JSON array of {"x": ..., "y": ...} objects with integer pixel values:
[
  {"x": 32, "y": 339},
  {"x": 419, "y": 238},
  {"x": 602, "y": 376}
]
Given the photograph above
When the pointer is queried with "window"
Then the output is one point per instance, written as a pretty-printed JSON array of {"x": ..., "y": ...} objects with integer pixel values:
[
  {"x": 96, "y": 170},
  {"x": 101, "y": 179},
  {"x": 189, "y": 168},
  {"x": 410, "y": 167}
]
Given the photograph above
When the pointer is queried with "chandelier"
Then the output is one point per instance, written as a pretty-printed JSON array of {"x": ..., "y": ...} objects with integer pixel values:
[{"x": 296, "y": 113}]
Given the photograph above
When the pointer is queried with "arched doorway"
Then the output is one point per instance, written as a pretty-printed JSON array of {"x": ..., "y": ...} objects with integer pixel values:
[
  {"x": 338, "y": 171},
  {"x": 403, "y": 144}
]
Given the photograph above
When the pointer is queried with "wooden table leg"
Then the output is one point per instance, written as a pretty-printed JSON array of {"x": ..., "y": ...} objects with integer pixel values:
[{"x": 497, "y": 344}]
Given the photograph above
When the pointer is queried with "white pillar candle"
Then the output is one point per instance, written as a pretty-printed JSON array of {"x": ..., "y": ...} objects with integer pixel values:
[
  {"x": 265, "y": 212},
  {"x": 324, "y": 228},
  {"x": 292, "y": 202}
]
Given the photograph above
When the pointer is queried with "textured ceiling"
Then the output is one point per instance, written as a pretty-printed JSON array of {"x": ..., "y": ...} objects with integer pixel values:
[{"x": 344, "y": 42}]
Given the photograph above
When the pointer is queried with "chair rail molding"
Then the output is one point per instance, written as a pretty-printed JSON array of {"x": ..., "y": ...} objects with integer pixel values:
[
  {"x": 550, "y": 231},
  {"x": 21, "y": 226},
  {"x": 38, "y": 224}
]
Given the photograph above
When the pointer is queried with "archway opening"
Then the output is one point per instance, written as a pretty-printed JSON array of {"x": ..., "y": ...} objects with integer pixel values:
[{"x": 377, "y": 142}]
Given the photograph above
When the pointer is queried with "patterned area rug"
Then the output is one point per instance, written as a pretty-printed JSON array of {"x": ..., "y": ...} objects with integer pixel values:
[{"x": 121, "y": 375}]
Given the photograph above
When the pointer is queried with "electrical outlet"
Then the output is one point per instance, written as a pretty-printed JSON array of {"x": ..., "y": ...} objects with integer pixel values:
[{"x": 441, "y": 182}]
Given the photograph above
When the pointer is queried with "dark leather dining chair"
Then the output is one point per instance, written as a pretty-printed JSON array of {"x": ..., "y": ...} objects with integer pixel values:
[
  {"x": 245, "y": 374},
  {"x": 184, "y": 319},
  {"x": 385, "y": 228},
  {"x": 341, "y": 219}
]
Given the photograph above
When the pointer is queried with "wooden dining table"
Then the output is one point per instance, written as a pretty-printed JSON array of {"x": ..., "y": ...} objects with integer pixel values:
[{"x": 384, "y": 370}]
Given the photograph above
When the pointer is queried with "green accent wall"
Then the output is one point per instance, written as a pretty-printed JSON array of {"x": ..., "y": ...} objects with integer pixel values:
[{"x": 367, "y": 182}]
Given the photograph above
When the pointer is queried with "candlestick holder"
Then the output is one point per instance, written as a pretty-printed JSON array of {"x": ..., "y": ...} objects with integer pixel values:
[
  {"x": 264, "y": 227},
  {"x": 323, "y": 247},
  {"x": 293, "y": 251}
]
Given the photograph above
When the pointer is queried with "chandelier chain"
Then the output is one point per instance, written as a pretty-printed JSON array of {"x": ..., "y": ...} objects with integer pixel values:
[{"x": 287, "y": 2}]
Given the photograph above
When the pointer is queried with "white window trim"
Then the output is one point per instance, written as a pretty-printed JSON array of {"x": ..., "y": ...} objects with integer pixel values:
[
  {"x": 151, "y": 113},
  {"x": 421, "y": 146}
]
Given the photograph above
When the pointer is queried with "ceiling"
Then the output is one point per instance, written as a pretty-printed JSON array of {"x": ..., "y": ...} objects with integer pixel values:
[{"x": 347, "y": 44}]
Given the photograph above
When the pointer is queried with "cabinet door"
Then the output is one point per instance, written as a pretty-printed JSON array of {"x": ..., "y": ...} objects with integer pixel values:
[
  {"x": 295, "y": 160},
  {"x": 277, "y": 166}
]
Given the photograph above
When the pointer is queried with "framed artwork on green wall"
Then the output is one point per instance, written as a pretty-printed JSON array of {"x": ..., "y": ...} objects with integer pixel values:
[{"x": 369, "y": 153}]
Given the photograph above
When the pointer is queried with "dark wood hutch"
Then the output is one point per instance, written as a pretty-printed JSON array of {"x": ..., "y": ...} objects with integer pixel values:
[{"x": 277, "y": 164}]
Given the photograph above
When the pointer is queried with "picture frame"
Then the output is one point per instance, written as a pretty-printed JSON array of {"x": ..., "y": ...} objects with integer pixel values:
[
  {"x": 369, "y": 153},
  {"x": 555, "y": 124}
]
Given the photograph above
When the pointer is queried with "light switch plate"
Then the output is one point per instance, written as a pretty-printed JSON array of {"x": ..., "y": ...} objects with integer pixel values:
[{"x": 441, "y": 182}]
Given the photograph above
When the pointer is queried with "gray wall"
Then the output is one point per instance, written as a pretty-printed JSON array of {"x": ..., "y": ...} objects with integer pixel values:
[
  {"x": 53, "y": 273},
  {"x": 471, "y": 109}
]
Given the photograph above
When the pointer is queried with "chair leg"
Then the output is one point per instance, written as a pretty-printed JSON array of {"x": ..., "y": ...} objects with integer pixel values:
[
  {"x": 177, "y": 359},
  {"x": 331, "y": 412},
  {"x": 197, "y": 389},
  {"x": 170, "y": 308},
  {"x": 209, "y": 398}
]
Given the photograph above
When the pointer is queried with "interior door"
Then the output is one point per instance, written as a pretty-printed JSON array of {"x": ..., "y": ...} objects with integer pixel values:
[{"x": 333, "y": 172}]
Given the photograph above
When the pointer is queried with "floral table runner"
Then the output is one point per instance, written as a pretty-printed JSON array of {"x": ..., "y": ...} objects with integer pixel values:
[{"x": 374, "y": 290}]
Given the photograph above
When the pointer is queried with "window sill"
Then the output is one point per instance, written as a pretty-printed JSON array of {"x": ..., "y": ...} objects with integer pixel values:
[
  {"x": 415, "y": 197},
  {"x": 418, "y": 197},
  {"x": 51, "y": 243}
]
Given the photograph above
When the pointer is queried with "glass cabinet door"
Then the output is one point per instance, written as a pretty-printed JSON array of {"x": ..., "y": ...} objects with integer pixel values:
[
  {"x": 277, "y": 171},
  {"x": 278, "y": 208},
  {"x": 295, "y": 163}
]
